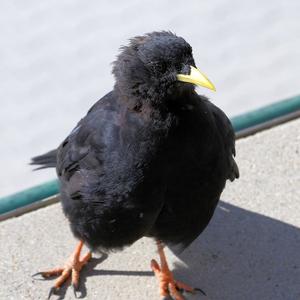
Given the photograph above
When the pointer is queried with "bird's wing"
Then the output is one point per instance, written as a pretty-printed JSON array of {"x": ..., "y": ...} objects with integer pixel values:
[
  {"x": 227, "y": 134},
  {"x": 82, "y": 149}
]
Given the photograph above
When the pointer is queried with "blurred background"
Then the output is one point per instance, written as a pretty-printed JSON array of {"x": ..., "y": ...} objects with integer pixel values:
[{"x": 55, "y": 62}]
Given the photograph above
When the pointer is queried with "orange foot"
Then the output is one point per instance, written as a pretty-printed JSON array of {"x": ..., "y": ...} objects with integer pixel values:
[
  {"x": 71, "y": 269},
  {"x": 169, "y": 288}
]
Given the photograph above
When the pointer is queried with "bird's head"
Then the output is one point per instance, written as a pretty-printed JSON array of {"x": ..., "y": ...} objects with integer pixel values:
[{"x": 157, "y": 65}]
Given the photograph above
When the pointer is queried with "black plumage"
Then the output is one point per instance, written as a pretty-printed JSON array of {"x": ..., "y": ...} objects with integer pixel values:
[{"x": 150, "y": 158}]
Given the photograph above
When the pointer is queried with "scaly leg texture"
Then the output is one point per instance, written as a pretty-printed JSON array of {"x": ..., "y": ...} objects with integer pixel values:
[
  {"x": 71, "y": 269},
  {"x": 168, "y": 286}
]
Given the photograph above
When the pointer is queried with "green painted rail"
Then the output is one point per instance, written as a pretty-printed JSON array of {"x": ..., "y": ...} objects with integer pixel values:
[
  {"x": 241, "y": 122},
  {"x": 266, "y": 113},
  {"x": 28, "y": 196}
]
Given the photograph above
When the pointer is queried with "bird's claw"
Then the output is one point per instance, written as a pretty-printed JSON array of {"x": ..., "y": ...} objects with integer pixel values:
[
  {"x": 75, "y": 290},
  {"x": 37, "y": 274},
  {"x": 200, "y": 290},
  {"x": 182, "y": 291},
  {"x": 42, "y": 274},
  {"x": 52, "y": 291}
]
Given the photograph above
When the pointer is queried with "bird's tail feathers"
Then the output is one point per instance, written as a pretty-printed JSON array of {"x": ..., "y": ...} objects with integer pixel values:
[{"x": 47, "y": 160}]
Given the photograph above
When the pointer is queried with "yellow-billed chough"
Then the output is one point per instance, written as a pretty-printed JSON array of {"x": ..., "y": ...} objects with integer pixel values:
[{"x": 150, "y": 158}]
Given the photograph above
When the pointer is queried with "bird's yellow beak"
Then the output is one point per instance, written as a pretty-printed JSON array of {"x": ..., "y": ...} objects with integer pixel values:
[{"x": 196, "y": 77}]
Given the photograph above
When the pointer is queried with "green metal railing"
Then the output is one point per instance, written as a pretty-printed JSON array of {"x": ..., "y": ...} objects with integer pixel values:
[
  {"x": 240, "y": 123},
  {"x": 28, "y": 196},
  {"x": 266, "y": 113}
]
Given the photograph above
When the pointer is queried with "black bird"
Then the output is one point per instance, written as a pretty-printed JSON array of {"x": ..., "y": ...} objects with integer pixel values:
[{"x": 150, "y": 158}]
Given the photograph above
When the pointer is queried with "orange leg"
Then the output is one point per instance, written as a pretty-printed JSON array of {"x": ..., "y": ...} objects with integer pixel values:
[
  {"x": 168, "y": 286},
  {"x": 71, "y": 269}
]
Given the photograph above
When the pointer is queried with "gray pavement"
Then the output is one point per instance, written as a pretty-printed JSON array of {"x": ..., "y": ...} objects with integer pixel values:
[
  {"x": 249, "y": 251},
  {"x": 55, "y": 62}
]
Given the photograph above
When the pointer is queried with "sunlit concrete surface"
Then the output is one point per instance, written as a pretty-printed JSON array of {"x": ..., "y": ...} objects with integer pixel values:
[
  {"x": 249, "y": 251},
  {"x": 55, "y": 62}
]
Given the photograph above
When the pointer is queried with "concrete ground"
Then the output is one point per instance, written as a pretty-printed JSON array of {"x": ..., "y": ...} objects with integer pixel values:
[
  {"x": 55, "y": 62},
  {"x": 250, "y": 250}
]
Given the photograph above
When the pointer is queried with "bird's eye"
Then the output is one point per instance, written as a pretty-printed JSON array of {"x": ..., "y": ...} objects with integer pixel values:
[{"x": 178, "y": 66}]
